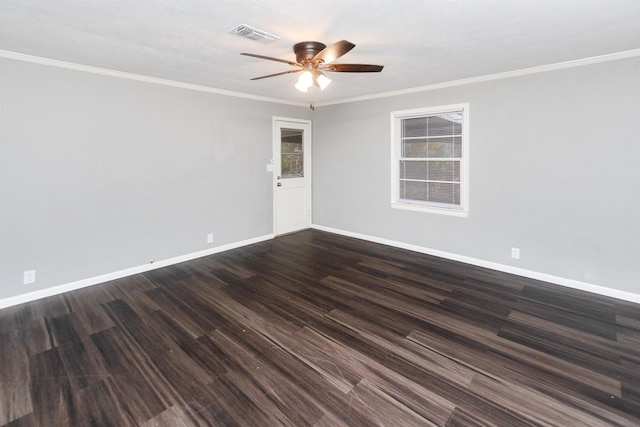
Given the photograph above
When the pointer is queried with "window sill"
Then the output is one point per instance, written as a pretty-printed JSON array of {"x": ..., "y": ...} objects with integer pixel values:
[{"x": 430, "y": 209}]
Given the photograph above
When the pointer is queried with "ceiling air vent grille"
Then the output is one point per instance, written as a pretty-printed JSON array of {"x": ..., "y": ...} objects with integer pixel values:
[{"x": 254, "y": 33}]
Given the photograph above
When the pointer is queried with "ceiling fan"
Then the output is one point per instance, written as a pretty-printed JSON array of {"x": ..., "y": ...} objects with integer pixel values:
[{"x": 315, "y": 58}]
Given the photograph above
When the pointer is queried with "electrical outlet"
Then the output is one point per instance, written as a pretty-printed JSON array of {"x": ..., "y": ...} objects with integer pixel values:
[
  {"x": 515, "y": 253},
  {"x": 210, "y": 238},
  {"x": 29, "y": 277}
]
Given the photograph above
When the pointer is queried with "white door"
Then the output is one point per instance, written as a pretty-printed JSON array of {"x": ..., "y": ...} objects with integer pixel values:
[{"x": 291, "y": 175}]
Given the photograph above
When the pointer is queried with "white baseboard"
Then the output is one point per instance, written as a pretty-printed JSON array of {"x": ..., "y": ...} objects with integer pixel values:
[
  {"x": 575, "y": 284},
  {"x": 55, "y": 290}
]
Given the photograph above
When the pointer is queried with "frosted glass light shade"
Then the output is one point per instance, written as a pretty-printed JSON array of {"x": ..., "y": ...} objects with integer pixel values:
[
  {"x": 323, "y": 81},
  {"x": 305, "y": 81}
]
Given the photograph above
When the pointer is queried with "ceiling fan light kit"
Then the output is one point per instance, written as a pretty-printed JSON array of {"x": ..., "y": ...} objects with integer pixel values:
[
  {"x": 314, "y": 58},
  {"x": 310, "y": 78}
]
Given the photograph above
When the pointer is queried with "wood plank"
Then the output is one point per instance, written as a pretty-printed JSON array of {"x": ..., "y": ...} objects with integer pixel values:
[
  {"x": 316, "y": 329},
  {"x": 15, "y": 392}
]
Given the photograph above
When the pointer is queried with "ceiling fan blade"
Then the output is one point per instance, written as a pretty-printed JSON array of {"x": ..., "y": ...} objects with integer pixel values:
[
  {"x": 354, "y": 68},
  {"x": 333, "y": 52},
  {"x": 277, "y": 74},
  {"x": 271, "y": 59}
]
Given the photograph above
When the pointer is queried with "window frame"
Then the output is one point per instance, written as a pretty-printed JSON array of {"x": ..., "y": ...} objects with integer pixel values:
[{"x": 396, "y": 149}]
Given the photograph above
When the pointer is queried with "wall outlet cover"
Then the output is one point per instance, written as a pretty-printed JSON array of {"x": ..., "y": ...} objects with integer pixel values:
[{"x": 29, "y": 277}]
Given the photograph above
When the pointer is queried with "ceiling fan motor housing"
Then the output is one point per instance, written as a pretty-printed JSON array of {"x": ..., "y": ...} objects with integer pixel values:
[{"x": 305, "y": 51}]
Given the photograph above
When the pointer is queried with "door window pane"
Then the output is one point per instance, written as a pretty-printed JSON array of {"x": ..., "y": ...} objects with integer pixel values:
[{"x": 291, "y": 153}]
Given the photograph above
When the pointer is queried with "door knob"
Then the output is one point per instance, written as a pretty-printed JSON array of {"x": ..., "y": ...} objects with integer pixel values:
[{"x": 279, "y": 184}]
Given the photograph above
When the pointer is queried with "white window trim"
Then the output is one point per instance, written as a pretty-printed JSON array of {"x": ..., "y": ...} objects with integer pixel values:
[{"x": 396, "y": 117}]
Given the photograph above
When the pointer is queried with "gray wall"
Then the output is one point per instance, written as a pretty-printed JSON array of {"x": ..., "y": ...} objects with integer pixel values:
[
  {"x": 99, "y": 174},
  {"x": 554, "y": 171}
]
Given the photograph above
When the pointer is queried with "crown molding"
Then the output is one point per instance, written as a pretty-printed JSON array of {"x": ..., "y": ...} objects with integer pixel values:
[
  {"x": 489, "y": 77},
  {"x": 138, "y": 77},
  {"x": 154, "y": 80}
]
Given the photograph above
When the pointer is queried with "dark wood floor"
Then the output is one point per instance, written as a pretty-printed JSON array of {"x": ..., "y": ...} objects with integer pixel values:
[{"x": 323, "y": 330}]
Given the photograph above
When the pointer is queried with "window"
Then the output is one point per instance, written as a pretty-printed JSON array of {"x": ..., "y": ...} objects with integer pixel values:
[
  {"x": 429, "y": 161},
  {"x": 292, "y": 156}
]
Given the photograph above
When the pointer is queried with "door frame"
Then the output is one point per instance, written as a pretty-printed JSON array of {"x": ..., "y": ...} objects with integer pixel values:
[{"x": 275, "y": 161}]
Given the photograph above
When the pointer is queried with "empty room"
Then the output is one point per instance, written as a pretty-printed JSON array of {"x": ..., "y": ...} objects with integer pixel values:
[{"x": 328, "y": 213}]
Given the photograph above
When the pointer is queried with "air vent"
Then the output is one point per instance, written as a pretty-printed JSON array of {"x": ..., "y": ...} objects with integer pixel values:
[{"x": 254, "y": 33}]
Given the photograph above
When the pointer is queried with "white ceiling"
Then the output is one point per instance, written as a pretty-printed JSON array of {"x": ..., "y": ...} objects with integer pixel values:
[{"x": 420, "y": 42}]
